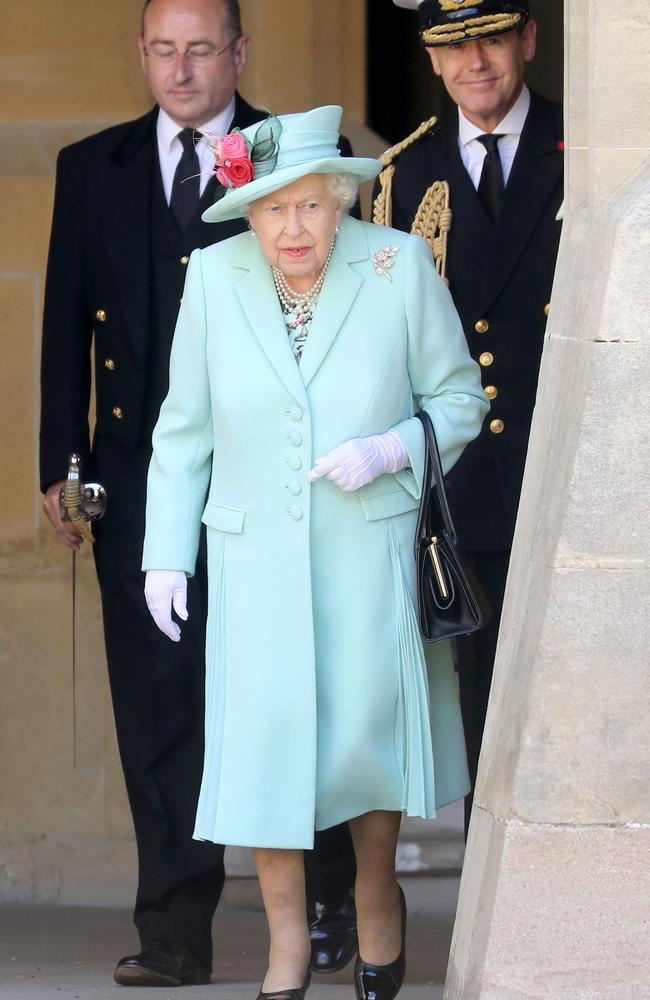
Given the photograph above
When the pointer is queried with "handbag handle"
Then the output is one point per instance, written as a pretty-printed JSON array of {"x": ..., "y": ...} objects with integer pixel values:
[{"x": 432, "y": 477}]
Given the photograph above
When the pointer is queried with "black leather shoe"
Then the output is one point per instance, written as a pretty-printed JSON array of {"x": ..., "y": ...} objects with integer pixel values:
[
  {"x": 298, "y": 993},
  {"x": 333, "y": 933},
  {"x": 161, "y": 963},
  {"x": 382, "y": 982}
]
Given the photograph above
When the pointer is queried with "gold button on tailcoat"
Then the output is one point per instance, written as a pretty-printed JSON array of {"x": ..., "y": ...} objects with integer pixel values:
[
  {"x": 491, "y": 391},
  {"x": 482, "y": 326},
  {"x": 109, "y": 364},
  {"x": 117, "y": 412},
  {"x": 486, "y": 359},
  {"x": 547, "y": 308},
  {"x": 497, "y": 426},
  {"x": 185, "y": 260},
  {"x": 101, "y": 315}
]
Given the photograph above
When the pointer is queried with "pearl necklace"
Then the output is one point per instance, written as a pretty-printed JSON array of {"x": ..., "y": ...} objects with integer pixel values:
[{"x": 300, "y": 302}]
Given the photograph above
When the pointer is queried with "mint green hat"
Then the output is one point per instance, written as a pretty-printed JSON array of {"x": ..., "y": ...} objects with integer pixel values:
[{"x": 307, "y": 145}]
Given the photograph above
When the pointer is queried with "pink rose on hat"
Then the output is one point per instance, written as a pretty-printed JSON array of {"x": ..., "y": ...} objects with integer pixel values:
[{"x": 233, "y": 165}]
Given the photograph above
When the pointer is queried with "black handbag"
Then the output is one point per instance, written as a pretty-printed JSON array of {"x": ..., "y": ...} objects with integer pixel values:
[{"x": 446, "y": 605}]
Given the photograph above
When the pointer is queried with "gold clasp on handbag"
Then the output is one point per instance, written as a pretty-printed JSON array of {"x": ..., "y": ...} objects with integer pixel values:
[{"x": 437, "y": 565}]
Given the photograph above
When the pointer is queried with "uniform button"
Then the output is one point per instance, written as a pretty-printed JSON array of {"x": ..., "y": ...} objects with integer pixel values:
[
  {"x": 294, "y": 488},
  {"x": 295, "y": 413},
  {"x": 497, "y": 426},
  {"x": 117, "y": 413},
  {"x": 491, "y": 391},
  {"x": 482, "y": 326},
  {"x": 185, "y": 260},
  {"x": 294, "y": 463},
  {"x": 547, "y": 308},
  {"x": 101, "y": 316},
  {"x": 294, "y": 438},
  {"x": 486, "y": 359},
  {"x": 295, "y": 513},
  {"x": 109, "y": 364}
]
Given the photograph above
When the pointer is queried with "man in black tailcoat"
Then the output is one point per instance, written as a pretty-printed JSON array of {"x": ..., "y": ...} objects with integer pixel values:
[
  {"x": 501, "y": 158},
  {"x": 127, "y": 215}
]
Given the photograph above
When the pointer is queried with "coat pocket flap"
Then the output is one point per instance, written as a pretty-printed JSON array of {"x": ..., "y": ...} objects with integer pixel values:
[
  {"x": 391, "y": 504},
  {"x": 223, "y": 518}
]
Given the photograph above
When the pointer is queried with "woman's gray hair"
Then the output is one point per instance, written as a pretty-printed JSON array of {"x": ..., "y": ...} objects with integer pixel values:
[{"x": 345, "y": 189}]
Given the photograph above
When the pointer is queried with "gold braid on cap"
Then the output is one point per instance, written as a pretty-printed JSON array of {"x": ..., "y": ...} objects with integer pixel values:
[
  {"x": 471, "y": 27},
  {"x": 433, "y": 218}
]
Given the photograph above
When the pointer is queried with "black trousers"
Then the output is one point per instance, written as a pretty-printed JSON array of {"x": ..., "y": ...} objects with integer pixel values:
[
  {"x": 157, "y": 688},
  {"x": 474, "y": 655}
]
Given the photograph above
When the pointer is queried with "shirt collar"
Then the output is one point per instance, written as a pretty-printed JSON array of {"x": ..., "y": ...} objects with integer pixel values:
[
  {"x": 167, "y": 129},
  {"x": 511, "y": 124}
]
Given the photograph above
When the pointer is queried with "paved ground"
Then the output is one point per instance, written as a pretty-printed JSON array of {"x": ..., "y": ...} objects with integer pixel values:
[{"x": 68, "y": 953}]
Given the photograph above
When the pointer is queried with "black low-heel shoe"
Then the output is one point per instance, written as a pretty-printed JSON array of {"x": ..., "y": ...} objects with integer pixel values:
[
  {"x": 298, "y": 993},
  {"x": 382, "y": 982}
]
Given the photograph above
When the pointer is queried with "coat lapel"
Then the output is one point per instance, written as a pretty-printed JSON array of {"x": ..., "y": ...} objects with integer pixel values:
[
  {"x": 256, "y": 293},
  {"x": 472, "y": 230},
  {"x": 535, "y": 173},
  {"x": 125, "y": 178},
  {"x": 340, "y": 289}
]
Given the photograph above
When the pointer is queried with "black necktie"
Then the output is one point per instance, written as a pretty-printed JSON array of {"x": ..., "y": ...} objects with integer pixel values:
[
  {"x": 490, "y": 188},
  {"x": 186, "y": 187}
]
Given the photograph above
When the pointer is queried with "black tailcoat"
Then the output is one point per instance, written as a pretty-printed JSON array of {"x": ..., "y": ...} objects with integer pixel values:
[
  {"x": 500, "y": 277},
  {"x": 102, "y": 270}
]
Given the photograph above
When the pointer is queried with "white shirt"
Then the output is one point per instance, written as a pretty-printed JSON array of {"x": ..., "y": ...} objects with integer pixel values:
[
  {"x": 170, "y": 147},
  {"x": 474, "y": 152}
]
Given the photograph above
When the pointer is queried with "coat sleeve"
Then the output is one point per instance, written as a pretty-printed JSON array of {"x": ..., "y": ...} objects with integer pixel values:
[
  {"x": 179, "y": 472},
  {"x": 67, "y": 334},
  {"x": 445, "y": 380}
]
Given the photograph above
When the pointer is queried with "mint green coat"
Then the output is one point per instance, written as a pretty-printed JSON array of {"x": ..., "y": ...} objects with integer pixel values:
[{"x": 321, "y": 703}]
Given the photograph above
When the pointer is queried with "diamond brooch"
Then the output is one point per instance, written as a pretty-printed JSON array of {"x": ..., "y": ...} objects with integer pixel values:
[{"x": 383, "y": 260}]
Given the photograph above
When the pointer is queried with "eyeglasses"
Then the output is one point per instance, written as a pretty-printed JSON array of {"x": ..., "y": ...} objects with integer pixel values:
[{"x": 198, "y": 55}]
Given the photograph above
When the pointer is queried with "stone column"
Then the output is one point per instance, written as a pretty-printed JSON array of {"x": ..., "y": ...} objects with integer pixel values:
[{"x": 555, "y": 895}]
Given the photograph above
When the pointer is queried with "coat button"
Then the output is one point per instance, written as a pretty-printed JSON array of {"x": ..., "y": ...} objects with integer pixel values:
[
  {"x": 117, "y": 412},
  {"x": 486, "y": 359},
  {"x": 547, "y": 308},
  {"x": 294, "y": 488},
  {"x": 101, "y": 316},
  {"x": 497, "y": 426},
  {"x": 109, "y": 364},
  {"x": 482, "y": 326},
  {"x": 295, "y": 413},
  {"x": 294, "y": 438},
  {"x": 295, "y": 513},
  {"x": 184, "y": 260},
  {"x": 491, "y": 391},
  {"x": 294, "y": 463}
]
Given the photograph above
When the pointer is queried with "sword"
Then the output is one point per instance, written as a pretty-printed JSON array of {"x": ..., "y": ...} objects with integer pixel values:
[{"x": 81, "y": 504}]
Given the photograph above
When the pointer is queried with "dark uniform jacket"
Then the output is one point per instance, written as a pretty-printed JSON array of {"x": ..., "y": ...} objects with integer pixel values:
[
  {"x": 500, "y": 278},
  {"x": 99, "y": 281}
]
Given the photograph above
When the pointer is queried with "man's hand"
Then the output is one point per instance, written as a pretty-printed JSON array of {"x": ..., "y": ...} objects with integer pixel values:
[
  {"x": 164, "y": 589},
  {"x": 69, "y": 534}
]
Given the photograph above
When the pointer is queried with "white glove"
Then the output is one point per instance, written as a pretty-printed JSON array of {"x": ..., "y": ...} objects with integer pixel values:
[
  {"x": 164, "y": 588},
  {"x": 357, "y": 462}
]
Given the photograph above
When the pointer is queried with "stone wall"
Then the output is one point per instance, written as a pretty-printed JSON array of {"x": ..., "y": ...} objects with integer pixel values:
[{"x": 555, "y": 892}]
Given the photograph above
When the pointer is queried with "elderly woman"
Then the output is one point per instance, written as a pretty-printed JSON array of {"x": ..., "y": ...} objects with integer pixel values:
[{"x": 302, "y": 350}]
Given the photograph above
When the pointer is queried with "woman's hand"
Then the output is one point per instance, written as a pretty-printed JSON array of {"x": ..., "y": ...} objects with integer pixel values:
[
  {"x": 164, "y": 589},
  {"x": 357, "y": 462}
]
